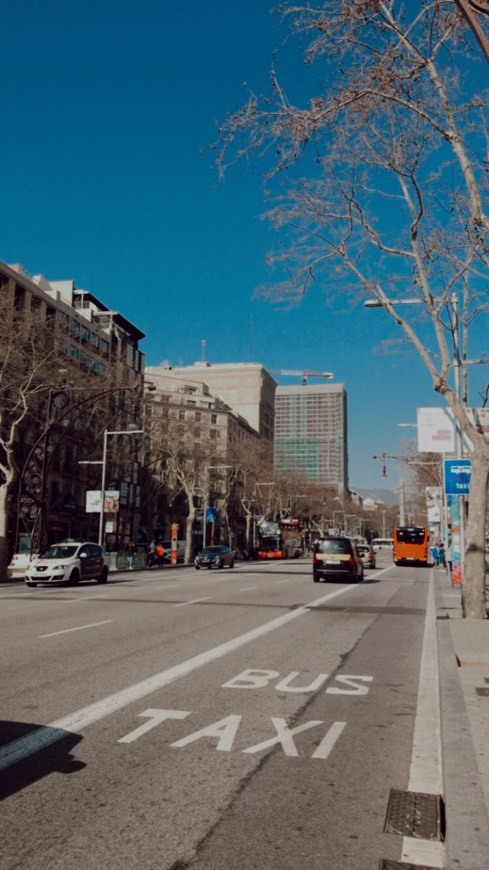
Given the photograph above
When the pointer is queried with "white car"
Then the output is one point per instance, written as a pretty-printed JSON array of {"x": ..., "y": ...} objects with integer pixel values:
[
  {"x": 18, "y": 566},
  {"x": 69, "y": 563}
]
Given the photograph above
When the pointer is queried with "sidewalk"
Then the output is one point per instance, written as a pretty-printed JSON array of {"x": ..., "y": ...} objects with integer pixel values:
[{"x": 463, "y": 647}]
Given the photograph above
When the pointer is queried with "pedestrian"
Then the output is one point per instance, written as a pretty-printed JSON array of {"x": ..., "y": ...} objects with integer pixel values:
[
  {"x": 448, "y": 557},
  {"x": 150, "y": 553},
  {"x": 131, "y": 551},
  {"x": 435, "y": 554},
  {"x": 160, "y": 554},
  {"x": 442, "y": 557}
]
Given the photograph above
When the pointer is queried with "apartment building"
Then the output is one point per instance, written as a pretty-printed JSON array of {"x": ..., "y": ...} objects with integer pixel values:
[
  {"x": 198, "y": 434},
  {"x": 311, "y": 433},
  {"x": 100, "y": 387},
  {"x": 246, "y": 387}
]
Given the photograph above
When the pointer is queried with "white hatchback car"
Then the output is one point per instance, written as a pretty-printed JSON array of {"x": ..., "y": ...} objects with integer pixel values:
[{"x": 69, "y": 563}]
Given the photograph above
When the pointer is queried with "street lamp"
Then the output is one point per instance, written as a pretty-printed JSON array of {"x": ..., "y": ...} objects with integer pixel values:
[
  {"x": 108, "y": 433},
  {"x": 206, "y": 494}
]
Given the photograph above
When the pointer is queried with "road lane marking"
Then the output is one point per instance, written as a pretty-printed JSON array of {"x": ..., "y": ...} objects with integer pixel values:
[
  {"x": 45, "y": 736},
  {"x": 247, "y": 588},
  {"x": 426, "y": 775},
  {"x": 88, "y": 598},
  {"x": 194, "y": 601},
  {"x": 78, "y": 628}
]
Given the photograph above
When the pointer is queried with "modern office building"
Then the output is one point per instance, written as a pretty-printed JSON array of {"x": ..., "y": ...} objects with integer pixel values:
[
  {"x": 246, "y": 387},
  {"x": 311, "y": 433}
]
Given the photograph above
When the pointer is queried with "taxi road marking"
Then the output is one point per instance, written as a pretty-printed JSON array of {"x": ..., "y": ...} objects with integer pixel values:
[
  {"x": 225, "y": 730},
  {"x": 79, "y": 628}
]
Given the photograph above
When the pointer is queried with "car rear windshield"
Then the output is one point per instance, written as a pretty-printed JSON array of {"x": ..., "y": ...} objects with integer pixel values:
[{"x": 333, "y": 545}]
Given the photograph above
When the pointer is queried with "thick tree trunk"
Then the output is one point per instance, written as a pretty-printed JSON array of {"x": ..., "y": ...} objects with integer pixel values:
[
  {"x": 189, "y": 527},
  {"x": 474, "y": 567}
]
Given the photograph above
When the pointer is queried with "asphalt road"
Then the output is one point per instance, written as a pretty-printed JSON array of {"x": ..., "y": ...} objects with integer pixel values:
[{"x": 237, "y": 719}]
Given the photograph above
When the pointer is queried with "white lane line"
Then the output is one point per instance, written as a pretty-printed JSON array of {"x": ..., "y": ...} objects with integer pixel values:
[
  {"x": 79, "y": 628},
  {"x": 194, "y": 601},
  {"x": 88, "y": 598},
  {"x": 426, "y": 774},
  {"x": 287, "y": 580},
  {"x": 247, "y": 588},
  {"x": 45, "y": 736}
]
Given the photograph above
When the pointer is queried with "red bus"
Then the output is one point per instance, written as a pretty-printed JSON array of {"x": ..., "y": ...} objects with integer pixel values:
[{"x": 410, "y": 545}]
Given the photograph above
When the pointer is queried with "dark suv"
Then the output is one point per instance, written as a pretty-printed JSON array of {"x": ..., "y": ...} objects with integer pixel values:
[{"x": 336, "y": 557}]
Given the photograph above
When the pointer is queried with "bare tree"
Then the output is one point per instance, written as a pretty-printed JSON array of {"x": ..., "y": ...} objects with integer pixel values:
[
  {"x": 29, "y": 368},
  {"x": 394, "y": 149},
  {"x": 178, "y": 455}
]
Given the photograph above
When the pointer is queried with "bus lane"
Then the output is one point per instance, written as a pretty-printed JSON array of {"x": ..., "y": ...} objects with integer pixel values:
[{"x": 282, "y": 710}]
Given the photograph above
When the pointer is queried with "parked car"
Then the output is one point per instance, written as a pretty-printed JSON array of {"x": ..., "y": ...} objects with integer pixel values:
[
  {"x": 18, "y": 566},
  {"x": 367, "y": 555},
  {"x": 69, "y": 563},
  {"x": 336, "y": 556},
  {"x": 181, "y": 545},
  {"x": 214, "y": 557}
]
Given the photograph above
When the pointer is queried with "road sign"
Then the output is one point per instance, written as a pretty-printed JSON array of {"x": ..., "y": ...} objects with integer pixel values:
[{"x": 457, "y": 476}]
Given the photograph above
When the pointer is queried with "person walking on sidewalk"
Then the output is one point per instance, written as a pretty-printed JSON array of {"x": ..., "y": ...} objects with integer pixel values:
[
  {"x": 435, "y": 554},
  {"x": 131, "y": 551},
  {"x": 442, "y": 557}
]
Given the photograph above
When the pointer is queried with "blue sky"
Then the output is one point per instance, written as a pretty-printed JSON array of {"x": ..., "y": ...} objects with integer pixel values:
[{"x": 106, "y": 108}]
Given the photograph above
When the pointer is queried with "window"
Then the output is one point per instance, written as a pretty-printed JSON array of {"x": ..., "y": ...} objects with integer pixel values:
[
  {"x": 75, "y": 327},
  {"x": 85, "y": 335},
  {"x": 213, "y": 418}
]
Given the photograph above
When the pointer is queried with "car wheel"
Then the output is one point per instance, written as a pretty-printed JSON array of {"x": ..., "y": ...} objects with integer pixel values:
[
  {"x": 74, "y": 578},
  {"x": 220, "y": 563},
  {"x": 197, "y": 567},
  {"x": 104, "y": 575},
  {"x": 231, "y": 564},
  {"x": 31, "y": 584},
  {"x": 315, "y": 577}
]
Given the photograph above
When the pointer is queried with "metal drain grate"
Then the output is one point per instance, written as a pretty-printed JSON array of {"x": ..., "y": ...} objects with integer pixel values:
[
  {"x": 414, "y": 814},
  {"x": 400, "y": 865},
  {"x": 484, "y": 693}
]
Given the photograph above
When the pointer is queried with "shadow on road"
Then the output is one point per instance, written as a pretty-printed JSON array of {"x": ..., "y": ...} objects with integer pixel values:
[{"x": 29, "y": 752}]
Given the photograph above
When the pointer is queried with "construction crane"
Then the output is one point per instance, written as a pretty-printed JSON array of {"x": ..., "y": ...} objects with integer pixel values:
[{"x": 304, "y": 374}]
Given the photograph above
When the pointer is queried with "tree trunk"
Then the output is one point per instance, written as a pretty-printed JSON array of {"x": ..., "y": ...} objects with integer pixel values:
[
  {"x": 3, "y": 529},
  {"x": 474, "y": 566},
  {"x": 189, "y": 527}
]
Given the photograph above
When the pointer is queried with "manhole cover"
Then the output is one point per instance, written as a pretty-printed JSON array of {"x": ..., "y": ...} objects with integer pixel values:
[{"x": 414, "y": 814}]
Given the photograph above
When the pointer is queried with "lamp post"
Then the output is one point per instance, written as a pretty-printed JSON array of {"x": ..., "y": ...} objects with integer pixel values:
[
  {"x": 107, "y": 434},
  {"x": 206, "y": 494}
]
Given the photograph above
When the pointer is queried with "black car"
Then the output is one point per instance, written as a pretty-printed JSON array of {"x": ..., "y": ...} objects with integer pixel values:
[
  {"x": 214, "y": 557},
  {"x": 336, "y": 557}
]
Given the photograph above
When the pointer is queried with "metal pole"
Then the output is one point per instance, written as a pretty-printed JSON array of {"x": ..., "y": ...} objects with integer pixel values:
[
  {"x": 204, "y": 520},
  {"x": 458, "y": 432},
  {"x": 102, "y": 493}
]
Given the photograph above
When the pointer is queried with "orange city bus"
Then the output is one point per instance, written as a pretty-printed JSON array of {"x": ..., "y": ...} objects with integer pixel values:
[{"x": 410, "y": 545}]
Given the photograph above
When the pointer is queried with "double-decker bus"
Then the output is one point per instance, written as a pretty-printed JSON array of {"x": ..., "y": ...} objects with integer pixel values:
[{"x": 410, "y": 545}]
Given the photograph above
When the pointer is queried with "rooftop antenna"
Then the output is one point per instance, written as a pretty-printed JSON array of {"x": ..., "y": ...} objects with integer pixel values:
[{"x": 203, "y": 343}]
